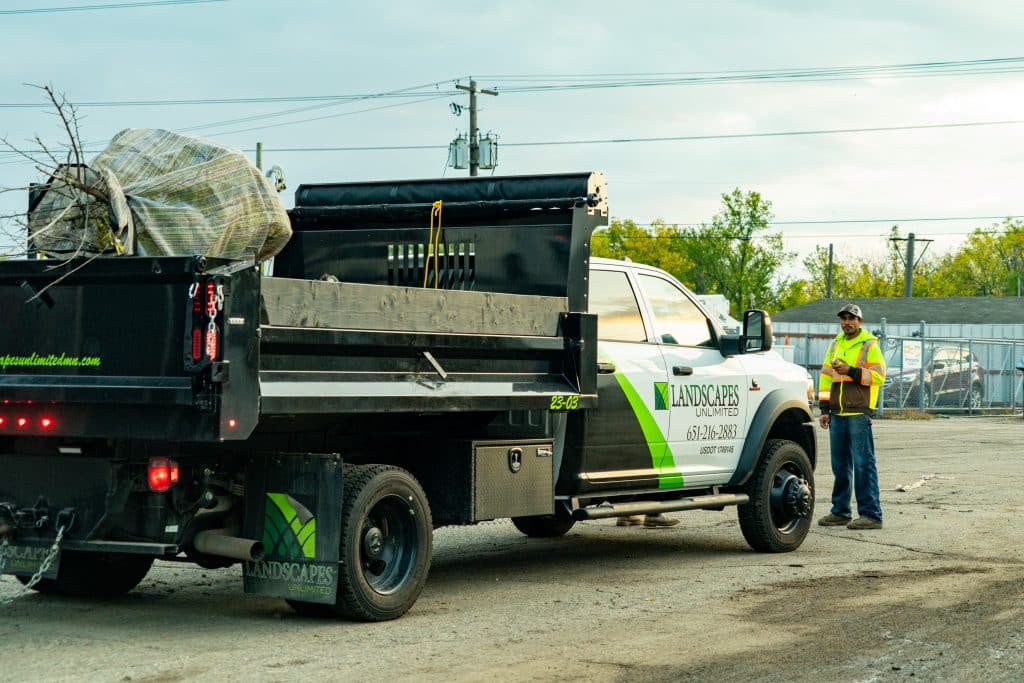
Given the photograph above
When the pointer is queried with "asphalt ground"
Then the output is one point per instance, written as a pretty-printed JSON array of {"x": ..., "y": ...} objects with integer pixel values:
[{"x": 936, "y": 595}]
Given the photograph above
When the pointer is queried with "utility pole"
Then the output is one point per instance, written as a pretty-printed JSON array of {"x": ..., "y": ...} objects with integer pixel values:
[
  {"x": 908, "y": 273},
  {"x": 828, "y": 282},
  {"x": 909, "y": 262},
  {"x": 474, "y": 136}
]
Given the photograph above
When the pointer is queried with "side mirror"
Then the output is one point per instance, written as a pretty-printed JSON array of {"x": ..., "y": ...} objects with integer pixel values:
[
  {"x": 938, "y": 365},
  {"x": 757, "y": 331}
]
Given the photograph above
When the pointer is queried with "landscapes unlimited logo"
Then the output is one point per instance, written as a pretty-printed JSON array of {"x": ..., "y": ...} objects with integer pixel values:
[
  {"x": 289, "y": 536},
  {"x": 289, "y": 528}
]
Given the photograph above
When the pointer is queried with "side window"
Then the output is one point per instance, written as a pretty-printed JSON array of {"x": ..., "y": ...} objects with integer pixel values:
[
  {"x": 618, "y": 315},
  {"x": 677, "y": 320}
]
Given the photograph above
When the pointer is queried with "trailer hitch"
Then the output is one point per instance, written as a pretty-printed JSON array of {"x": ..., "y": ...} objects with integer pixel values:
[{"x": 37, "y": 517}]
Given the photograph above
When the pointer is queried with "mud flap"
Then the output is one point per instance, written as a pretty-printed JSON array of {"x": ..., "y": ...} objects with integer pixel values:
[{"x": 293, "y": 504}]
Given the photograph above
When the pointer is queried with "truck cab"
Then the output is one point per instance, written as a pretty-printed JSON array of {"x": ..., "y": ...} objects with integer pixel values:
[
  {"x": 676, "y": 400},
  {"x": 688, "y": 417}
]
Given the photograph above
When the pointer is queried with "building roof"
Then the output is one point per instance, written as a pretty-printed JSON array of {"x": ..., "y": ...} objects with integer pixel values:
[{"x": 899, "y": 310}]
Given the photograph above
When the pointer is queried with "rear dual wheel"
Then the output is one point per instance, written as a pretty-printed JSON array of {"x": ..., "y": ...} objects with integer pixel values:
[{"x": 386, "y": 545}]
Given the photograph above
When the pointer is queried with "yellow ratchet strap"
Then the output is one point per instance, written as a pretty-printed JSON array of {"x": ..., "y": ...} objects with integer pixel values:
[{"x": 433, "y": 242}]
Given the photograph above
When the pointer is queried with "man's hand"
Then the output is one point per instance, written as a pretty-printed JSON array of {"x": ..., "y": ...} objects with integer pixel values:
[
  {"x": 825, "y": 419},
  {"x": 841, "y": 366}
]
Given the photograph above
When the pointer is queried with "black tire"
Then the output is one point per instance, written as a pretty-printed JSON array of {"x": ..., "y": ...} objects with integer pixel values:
[
  {"x": 781, "y": 490},
  {"x": 543, "y": 526},
  {"x": 94, "y": 575},
  {"x": 386, "y": 545}
]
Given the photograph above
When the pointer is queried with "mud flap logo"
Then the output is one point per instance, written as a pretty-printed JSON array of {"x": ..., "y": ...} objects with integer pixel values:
[
  {"x": 289, "y": 528},
  {"x": 291, "y": 568}
]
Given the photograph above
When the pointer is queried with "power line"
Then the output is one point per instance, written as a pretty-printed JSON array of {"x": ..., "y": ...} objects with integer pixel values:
[
  {"x": 738, "y": 136},
  {"x": 112, "y": 5},
  {"x": 557, "y": 143},
  {"x": 674, "y": 138},
  {"x": 633, "y": 80},
  {"x": 321, "y": 118},
  {"x": 562, "y": 82},
  {"x": 205, "y": 101}
]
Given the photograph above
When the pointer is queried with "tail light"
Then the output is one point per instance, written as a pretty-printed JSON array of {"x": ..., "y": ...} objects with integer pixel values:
[
  {"x": 163, "y": 474},
  {"x": 203, "y": 344}
]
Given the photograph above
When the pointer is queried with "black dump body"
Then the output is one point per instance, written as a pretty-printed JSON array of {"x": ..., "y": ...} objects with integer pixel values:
[
  {"x": 515, "y": 235},
  {"x": 352, "y": 322}
]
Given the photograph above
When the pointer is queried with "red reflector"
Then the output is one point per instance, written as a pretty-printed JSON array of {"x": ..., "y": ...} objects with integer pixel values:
[
  {"x": 232, "y": 423},
  {"x": 163, "y": 473},
  {"x": 22, "y": 421},
  {"x": 197, "y": 344},
  {"x": 211, "y": 342},
  {"x": 3, "y": 421},
  {"x": 46, "y": 422}
]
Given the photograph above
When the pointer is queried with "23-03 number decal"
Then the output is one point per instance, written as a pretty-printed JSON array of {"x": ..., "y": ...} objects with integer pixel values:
[{"x": 559, "y": 402}]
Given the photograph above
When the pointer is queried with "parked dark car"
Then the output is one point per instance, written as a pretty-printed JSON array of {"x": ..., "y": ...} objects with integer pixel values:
[{"x": 952, "y": 377}]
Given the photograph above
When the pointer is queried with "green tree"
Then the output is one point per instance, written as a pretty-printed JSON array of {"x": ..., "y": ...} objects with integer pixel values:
[
  {"x": 656, "y": 247},
  {"x": 866, "y": 276},
  {"x": 990, "y": 263},
  {"x": 736, "y": 255}
]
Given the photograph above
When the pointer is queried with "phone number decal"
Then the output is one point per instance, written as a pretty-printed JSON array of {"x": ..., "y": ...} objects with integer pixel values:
[{"x": 711, "y": 432}]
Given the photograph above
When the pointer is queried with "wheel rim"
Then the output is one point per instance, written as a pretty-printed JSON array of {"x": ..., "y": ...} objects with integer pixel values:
[
  {"x": 792, "y": 499},
  {"x": 388, "y": 544}
]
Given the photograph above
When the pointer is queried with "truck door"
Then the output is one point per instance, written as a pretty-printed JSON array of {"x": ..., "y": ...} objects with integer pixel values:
[
  {"x": 707, "y": 392},
  {"x": 623, "y": 444}
]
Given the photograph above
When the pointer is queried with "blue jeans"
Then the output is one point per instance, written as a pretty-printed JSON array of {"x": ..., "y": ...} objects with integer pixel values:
[{"x": 853, "y": 462}]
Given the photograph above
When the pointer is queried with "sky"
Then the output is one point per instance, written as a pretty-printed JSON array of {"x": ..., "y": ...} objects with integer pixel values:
[{"x": 716, "y": 131}]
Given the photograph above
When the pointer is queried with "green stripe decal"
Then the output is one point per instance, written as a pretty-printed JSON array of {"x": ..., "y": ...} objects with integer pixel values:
[{"x": 669, "y": 476}]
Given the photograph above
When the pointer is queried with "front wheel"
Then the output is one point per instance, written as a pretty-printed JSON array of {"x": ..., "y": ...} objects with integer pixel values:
[
  {"x": 543, "y": 526},
  {"x": 386, "y": 544},
  {"x": 781, "y": 490},
  {"x": 94, "y": 575}
]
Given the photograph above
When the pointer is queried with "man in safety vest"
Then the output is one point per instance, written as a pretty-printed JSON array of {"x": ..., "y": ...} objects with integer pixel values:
[{"x": 851, "y": 374}]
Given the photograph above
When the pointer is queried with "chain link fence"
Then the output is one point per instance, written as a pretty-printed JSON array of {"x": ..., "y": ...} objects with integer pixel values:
[{"x": 935, "y": 374}]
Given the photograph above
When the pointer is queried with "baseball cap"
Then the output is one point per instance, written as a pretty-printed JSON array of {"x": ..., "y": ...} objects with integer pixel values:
[{"x": 851, "y": 308}]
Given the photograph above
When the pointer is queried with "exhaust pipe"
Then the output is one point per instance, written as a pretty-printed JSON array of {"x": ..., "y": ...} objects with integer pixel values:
[{"x": 218, "y": 542}]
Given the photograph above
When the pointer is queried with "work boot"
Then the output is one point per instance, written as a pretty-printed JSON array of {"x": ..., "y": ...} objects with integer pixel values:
[
  {"x": 864, "y": 523},
  {"x": 632, "y": 520},
  {"x": 833, "y": 520},
  {"x": 658, "y": 521}
]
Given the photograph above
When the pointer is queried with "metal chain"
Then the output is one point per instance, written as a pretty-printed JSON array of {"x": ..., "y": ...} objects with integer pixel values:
[{"x": 51, "y": 555}]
